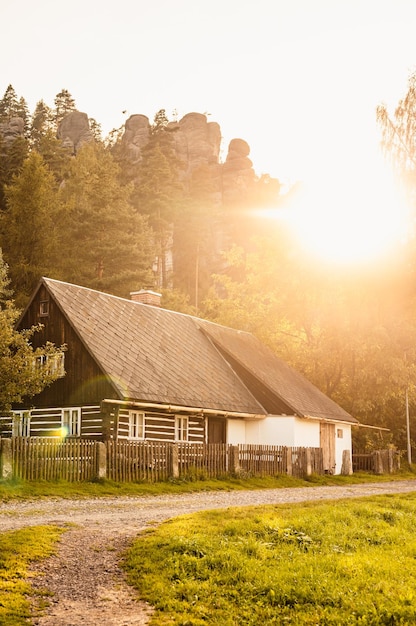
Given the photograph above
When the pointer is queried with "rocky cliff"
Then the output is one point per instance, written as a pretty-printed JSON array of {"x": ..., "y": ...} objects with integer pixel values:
[
  {"x": 74, "y": 130},
  {"x": 197, "y": 142},
  {"x": 11, "y": 130}
]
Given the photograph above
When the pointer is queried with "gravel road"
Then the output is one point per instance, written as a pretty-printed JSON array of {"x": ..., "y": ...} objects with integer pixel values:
[{"x": 83, "y": 577}]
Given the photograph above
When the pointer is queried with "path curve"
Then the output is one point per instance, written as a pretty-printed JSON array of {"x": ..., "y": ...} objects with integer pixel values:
[{"x": 84, "y": 578}]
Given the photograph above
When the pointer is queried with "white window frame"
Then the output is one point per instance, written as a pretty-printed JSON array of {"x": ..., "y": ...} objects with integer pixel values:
[
  {"x": 56, "y": 364},
  {"x": 181, "y": 428},
  {"x": 137, "y": 425},
  {"x": 71, "y": 422},
  {"x": 53, "y": 363},
  {"x": 21, "y": 424}
]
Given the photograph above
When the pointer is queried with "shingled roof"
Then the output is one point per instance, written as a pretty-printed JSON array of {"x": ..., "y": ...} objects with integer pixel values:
[{"x": 159, "y": 356}]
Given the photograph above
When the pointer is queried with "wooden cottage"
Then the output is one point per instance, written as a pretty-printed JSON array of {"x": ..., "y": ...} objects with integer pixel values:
[{"x": 136, "y": 371}]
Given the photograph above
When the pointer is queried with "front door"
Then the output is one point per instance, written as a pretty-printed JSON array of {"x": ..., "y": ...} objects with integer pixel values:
[
  {"x": 217, "y": 432},
  {"x": 327, "y": 437}
]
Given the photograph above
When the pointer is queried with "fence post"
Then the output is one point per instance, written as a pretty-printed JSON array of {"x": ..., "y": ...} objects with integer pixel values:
[
  {"x": 390, "y": 461},
  {"x": 6, "y": 459},
  {"x": 234, "y": 462},
  {"x": 346, "y": 468},
  {"x": 289, "y": 470},
  {"x": 173, "y": 461},
  {"x": 308, "y": 462},
  {"x": 378, "y": 463},
  {"x": 101, "y": 456}
]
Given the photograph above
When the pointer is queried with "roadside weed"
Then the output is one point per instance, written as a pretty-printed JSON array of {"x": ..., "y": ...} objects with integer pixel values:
[
  {"x": 17, "y": 550},
  {"x": 25, "y": 489}
]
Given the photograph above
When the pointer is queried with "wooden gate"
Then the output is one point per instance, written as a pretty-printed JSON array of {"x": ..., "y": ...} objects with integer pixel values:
[{"x": 327, "y": 439}]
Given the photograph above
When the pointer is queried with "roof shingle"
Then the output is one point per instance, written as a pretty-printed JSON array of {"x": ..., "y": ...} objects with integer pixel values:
[{"x": 160, "y": 356}]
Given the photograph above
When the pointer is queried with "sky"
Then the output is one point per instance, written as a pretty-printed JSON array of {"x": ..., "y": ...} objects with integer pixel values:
[{"x": 299, "y": 80}]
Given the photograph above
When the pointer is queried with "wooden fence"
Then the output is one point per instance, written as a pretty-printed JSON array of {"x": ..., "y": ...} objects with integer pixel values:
[
  {"x": 274, "y": 460},
  {"x": 210, "y": 460},
  {"x": 146, "y": 461},
  {"x": 51, "y": 459},
  {"x": 378, "y": 461},
  {"x": 138, "y": 461}
]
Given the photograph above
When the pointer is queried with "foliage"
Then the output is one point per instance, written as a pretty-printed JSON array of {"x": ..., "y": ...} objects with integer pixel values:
[
  {"x": 28, "y": 225},
  {"x": 18, "y": 549},
  {"x": 22, "y": 374},
  {"x": 399, "y": 131},
  {"x": 20, "y": 489},
  {"x": 12, "y": 106},
  {"x": 13, "y": 152},
  {"x": 64, "y": 104},
  {"x": 156, "y": 191},
  {"x": 44, "y": 140},
  {"x": 352, "y": 335},
  {"x": 194, "y": 249},
  {"x": 113, "y": 242},
  {"x": 280, "y": 564}
]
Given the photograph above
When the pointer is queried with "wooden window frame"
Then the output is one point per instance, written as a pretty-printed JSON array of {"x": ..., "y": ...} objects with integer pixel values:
[
  {"x": 137, "y": 425},
  {"x": 53, "y": 363},
  {"x": 181, "y": 428},
  {"x": 44, "y": 308},
  {"x": 71, "y": 421},
  {"x": 21, "y": 424}
]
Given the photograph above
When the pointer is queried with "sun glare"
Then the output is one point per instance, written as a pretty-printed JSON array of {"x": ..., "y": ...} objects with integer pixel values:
[{"x": 351, "y": 221}]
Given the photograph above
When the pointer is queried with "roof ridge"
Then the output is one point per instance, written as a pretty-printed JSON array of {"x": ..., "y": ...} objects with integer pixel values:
[{"x": 110, "y": 295}]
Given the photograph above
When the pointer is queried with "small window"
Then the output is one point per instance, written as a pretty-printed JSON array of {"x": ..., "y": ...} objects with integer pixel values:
[
  {"x": 340, "y": 433},
  {"x": 44, "y": 308},
  {"x": 71, "y": 422},
  {"x": 136, "y": 425},
  {"x": 53, "y": 363},
  {"x": 21, "y": 424},
  {"x": 181, "y": 428},
  {"x": 56, "y": 364}
]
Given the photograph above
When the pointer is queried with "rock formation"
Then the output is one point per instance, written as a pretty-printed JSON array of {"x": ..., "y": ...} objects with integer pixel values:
[
  {"x": 135, "y": 137},
  {"x": 74, "y": 130},
  {"x": 197, "y": 143},
  {"x": 11, "y": 130},
  {"x": 237, "y": 172}
]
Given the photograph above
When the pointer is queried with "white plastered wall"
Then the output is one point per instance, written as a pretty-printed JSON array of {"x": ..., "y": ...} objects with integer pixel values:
[
  {"x": 287, "y": 431},
  {"x": 275, "y": 430},
  {"x": 342, "y": 443}
]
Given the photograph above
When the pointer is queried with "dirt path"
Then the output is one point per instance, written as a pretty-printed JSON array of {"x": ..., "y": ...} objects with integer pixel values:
[
  {"x": 87, "y": 585},
  {"x": 84, "y": 578}
]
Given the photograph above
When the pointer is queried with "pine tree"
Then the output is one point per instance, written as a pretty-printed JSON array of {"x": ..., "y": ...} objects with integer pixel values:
[
  {"x": 157, "y": 192},
  {"x": 44, "y": 140},
  {"x": 105, "y": 243},
  {"x": 64, "y": 104},
  {"x": 28, "y": 225}
]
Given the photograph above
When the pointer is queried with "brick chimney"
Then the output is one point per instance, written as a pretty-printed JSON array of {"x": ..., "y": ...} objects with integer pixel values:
[{"x": 146, "y": 296}]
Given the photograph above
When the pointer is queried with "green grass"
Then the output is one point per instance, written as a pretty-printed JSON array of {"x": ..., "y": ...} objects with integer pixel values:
[
  {"x": 17, "y": 550},
  {"x": 12, "y": 489},
  {"x": 338, "y": 563}
]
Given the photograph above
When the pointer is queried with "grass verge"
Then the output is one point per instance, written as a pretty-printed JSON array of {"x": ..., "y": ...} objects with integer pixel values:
[
  {"x": 17, "y": 550},
  {"x": 18, "y": 489},
  {"x": 338, "y": 563}
]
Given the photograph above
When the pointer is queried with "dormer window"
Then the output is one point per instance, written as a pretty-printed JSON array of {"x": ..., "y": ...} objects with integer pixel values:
[{"x": 44, "y": 308}]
